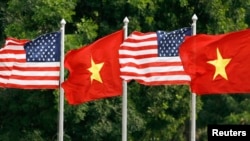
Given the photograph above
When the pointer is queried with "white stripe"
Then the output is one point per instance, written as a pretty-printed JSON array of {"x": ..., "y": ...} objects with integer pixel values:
[
  {"x": 6, "y": 64},
  {"x": 136, "y": 53},
  {"x": 30, "y": 64},
  {"x": 149, "y": 60},
  {"x": 33, "y": 82},
  {"x": 157, "y": 78},
  {"x": 140, "y": 44},
  {"x": 30, "y": 73},
  {"x": 152, "y": 69},
  {"x": 8, "y": 41},
  {"x": 5, "y": 73},
  {"x": 13, "y": 47},
  {"x": 3, "y": 80},
  {"x": 12, "y": 55},
  {"x": 35, "y": 73},
  {"x": 38, "y": 64}
]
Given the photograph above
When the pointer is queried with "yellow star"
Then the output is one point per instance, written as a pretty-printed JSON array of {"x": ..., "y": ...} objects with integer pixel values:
[
  {"x": 220, "y": 65},
  {"x": 95, "y": 70}
]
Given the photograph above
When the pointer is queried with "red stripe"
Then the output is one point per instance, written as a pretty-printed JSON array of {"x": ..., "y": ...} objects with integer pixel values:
[
  {"x": 137, "y": 33},
  {"x": 2, "y": 60},
  {"x": 34, "y": 77},
  {"x": 14, "y": 41},
  {"x": 32, "y": 86},
  {"x": 6, "y": 51},
  {"x": 4, "y": 76},
  {"x": 2, "y": 85},
  {"x": 5, "y": 68},
  {"x": 36, "y": 68}
]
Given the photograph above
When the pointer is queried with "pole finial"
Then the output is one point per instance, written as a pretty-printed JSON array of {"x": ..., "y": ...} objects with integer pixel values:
[
  {"x": 194, "y": 18},
  {"x": 126, "y": 20},
  {"x": 63, "y": 22}
]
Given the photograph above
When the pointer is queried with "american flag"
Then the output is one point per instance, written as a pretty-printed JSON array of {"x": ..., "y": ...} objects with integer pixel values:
[
  {"x": 152, "y": 58},
  {"x": 31, "y": 64}
]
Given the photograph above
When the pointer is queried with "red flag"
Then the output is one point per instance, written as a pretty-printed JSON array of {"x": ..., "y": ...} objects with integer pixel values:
[
  {"x": 94, "y": 70},
  {"x": 33, "y": 64},
  {"x": 152, "y": 58},
  {"x": 218, "y": 63}
]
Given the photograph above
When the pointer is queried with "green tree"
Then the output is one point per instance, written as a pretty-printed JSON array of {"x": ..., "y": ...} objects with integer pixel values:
[
  {"x": 31, "y": 114},
  {"x": 28, "y": 19}
]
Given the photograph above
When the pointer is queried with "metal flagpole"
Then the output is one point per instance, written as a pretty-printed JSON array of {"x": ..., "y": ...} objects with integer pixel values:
[
  {"x": 61, "y": 104},
  {"x": 124, "y": 95},
  {"x": 193, "y": 98}
]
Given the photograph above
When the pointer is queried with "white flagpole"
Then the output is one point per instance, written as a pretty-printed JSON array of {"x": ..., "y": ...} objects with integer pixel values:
[
  {"x": 193, "y": 98},
  {"x": 61, "y": 104},
  {"x": 124, "y": 95}
]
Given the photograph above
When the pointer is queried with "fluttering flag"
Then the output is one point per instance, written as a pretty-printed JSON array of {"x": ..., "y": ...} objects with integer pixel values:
[
  {"x": 94, "y": 70},
  {"x": 33, "y": 64},
  {"x": 218, "y": 64},
  {"x": 152, "y": 58}
]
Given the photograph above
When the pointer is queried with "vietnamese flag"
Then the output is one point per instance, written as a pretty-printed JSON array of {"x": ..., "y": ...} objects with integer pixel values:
[
  {"x": 218, "y": 63},
  {"x": 94, "y": 70}
]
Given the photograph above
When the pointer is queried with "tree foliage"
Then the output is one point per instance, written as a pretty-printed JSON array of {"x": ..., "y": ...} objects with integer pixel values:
[{"x": 154, "y": 112}]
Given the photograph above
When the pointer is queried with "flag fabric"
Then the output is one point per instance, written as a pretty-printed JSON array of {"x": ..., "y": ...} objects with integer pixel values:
[
  {"x": 94, "y": 70},
  {"x": 152, "y": 58},
  {"x": 218, "y": 64},
  {"x": 31, "y": 64}
]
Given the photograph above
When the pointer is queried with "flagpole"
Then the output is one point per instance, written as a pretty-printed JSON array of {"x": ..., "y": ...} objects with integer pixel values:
[
  {"x": 193, "y": 98},
  {"x": 61, "y": 104},
  {"x": 124, "y": 95}
]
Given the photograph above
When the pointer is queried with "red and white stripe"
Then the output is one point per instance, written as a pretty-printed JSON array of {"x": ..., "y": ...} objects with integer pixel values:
[
  {"x": 139, "y": 61},
  {"x": 15, "y": 72}
]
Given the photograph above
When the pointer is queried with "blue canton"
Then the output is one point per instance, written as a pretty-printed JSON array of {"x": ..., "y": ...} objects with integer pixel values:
[
  {"x": 45, "y": 48},
  {"x": 169, "y": 42}
]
